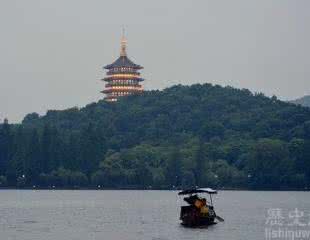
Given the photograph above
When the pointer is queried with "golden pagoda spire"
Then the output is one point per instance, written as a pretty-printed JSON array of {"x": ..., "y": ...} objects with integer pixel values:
[{"x": 123, "y": 43}]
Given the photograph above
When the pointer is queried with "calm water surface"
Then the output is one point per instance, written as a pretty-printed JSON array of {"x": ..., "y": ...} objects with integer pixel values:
[{"x": 134, "y": 215}]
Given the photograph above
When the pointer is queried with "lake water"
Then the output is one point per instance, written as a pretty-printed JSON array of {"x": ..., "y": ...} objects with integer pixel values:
[{"x": 134, "y": 215}]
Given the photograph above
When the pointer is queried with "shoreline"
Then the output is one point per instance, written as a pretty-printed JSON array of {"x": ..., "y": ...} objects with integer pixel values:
[{"x": 148, "y": 189}]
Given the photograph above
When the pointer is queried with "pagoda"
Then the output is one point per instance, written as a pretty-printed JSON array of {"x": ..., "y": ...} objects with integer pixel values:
[{"x": 122, "y": 77}]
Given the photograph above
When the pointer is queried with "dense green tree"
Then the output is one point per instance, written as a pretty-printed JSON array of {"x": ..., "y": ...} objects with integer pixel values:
[
  {"x": 91, "y": 149},
  {"x": 174, "y": 173},
  {"x": 33, "y": 158},
  {"x": 16, "y": 166},
  {"x": 3, "y": 181},
  {"x": 113, "y": 171},
  {"x": 5, "y": 146},
  {"x": 72, "y": 153},
  {"x": 188, "y": 180},
  {"x": 98, "y": 179},
  {"x": 201, "y": 160},
  {"x": 63, "y": 178},
  {"x": 46, "y": 141},
  {"x": 270, "y": 164},
  {"x": 212, "y": 129}
]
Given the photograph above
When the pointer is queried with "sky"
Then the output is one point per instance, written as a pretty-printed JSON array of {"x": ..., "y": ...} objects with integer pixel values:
[{"x": 52, "y": 52}]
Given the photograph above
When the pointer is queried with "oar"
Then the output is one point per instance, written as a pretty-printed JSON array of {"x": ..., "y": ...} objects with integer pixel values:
[{"x": 219, "y": 218}]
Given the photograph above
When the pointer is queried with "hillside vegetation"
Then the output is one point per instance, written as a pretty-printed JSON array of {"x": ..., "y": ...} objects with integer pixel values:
[
  {"x": 304, "y": 101},
  {"x": 199, "y": 135}
]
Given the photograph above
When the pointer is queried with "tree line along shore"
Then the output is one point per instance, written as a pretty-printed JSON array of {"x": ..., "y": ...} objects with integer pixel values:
[{"x": 183, "y": 136}]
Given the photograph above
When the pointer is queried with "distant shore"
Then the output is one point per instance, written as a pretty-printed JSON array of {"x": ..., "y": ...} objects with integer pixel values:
[{"x": 148, "y": 189}]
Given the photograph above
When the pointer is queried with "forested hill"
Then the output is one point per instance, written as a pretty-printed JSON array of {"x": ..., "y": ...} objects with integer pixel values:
[
  {"x": 182, "y": 136},
  {"x": 304, "y": 101}
]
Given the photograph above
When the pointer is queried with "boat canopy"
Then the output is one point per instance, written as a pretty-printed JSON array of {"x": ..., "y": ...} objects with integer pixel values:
[{"x": 197, "y": 190}]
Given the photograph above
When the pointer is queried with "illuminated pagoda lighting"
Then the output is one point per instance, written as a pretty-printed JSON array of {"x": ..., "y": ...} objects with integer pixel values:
[{"x": 122, "y": 77}]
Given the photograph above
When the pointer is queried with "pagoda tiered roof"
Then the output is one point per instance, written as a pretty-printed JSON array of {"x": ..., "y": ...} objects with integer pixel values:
[
  {"x": 123, "y": 77},
  {"x": 123, "y": 61}
]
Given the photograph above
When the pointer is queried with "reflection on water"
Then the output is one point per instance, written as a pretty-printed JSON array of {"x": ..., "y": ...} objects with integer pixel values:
[{"x": 134, "y": 215}]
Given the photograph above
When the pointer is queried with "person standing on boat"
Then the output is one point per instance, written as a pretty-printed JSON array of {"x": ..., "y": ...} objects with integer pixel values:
[{"x": 204, "y": 210}]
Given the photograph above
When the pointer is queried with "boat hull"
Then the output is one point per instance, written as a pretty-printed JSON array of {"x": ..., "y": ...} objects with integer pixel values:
[{"x": 191, "y": 217}]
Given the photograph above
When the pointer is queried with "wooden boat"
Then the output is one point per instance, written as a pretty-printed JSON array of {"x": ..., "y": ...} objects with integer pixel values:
[{"x": 198, "y": 212}]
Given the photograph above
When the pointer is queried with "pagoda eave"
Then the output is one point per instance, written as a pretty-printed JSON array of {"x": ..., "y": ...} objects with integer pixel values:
[
  {"x": 108, "y": 67},
  {"x": 123, "y": 62},
  {"x": 123, "y": 90},
  {"x": 123, "y": 86},
  {"x": 108, "y": 79}
]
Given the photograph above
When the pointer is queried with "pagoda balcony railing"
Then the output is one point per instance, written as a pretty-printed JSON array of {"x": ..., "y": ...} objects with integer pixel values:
[
  {"x": 123, "y": 75},
  {"x": 122, "y": 85},
  {"x": 123, "y": 72},
  {"x": 124, "y": 89}
]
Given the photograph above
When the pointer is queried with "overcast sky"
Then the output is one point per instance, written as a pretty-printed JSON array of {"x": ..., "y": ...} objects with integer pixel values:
[{"x": 52, "y": 52}]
